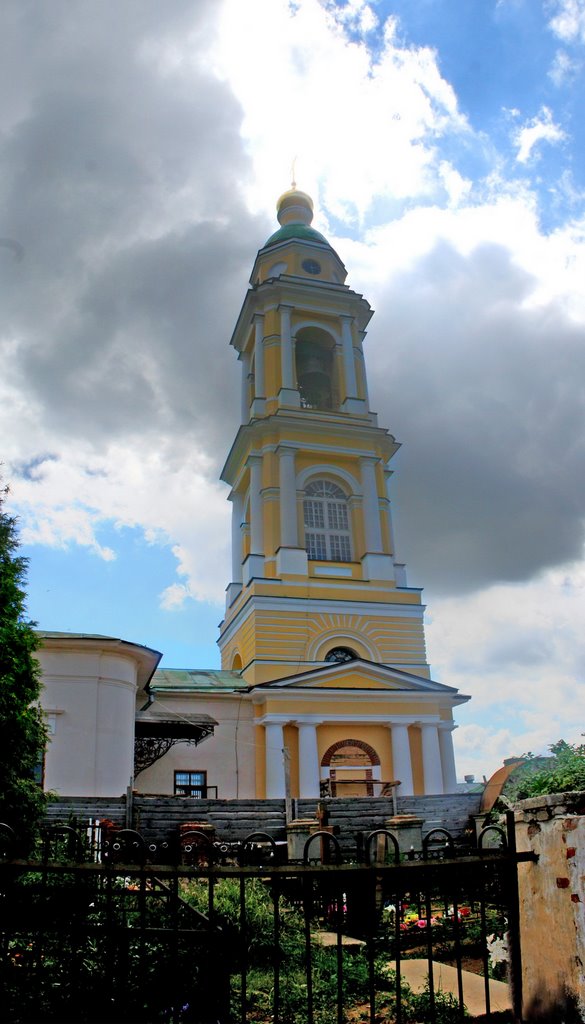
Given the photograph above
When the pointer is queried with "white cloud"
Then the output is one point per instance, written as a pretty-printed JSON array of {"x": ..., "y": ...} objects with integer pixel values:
[
  {"x": 540, "y": 128},
  {"x": 519, "y": 651},
  {"x": 379, "y": 121},
  {"x": 169, "y": 495},
  {"x": 563, "y": 68},
  {"x": 568, "y": 21}
]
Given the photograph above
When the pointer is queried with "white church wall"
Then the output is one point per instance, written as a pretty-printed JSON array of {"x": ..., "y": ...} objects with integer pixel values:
[
  {"x": 89, "y": 700},
  {"x": 227, "y": 757}
]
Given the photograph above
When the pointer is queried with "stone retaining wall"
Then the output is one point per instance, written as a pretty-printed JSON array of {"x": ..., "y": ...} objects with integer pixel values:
[{"x": 160, "y": 816}]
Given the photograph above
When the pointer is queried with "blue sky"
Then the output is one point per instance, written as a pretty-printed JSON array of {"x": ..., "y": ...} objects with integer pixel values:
[{"x": 143, "y": 149}]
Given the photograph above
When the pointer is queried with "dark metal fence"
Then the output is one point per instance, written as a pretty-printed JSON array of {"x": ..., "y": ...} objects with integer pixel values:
[{"x": 227, "y": 934}]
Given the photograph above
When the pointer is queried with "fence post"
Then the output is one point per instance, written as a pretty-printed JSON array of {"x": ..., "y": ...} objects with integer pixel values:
[
  {"x": 551, "y": 906},
  {"x": 129, "y": 807}
]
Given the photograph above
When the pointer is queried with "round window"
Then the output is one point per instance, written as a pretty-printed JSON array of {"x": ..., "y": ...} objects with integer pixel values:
[
  {"x": 311, "y": 266},
  {"x": 340, "y": 654}
]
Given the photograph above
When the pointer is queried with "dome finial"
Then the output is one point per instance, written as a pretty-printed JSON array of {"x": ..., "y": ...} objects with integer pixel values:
[
  {"x": 294, "y": 206},
  {"x": 293, "y": 183}
]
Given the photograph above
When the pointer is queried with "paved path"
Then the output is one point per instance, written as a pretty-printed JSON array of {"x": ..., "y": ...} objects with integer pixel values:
[{"x": 415, "y": 972}]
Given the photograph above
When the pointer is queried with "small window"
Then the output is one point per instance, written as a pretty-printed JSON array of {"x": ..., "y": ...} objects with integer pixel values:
[
  {"x": 327, "y": 528},
  {"x": 340, "y": 655},
  {"x": 192, "y": 784}
]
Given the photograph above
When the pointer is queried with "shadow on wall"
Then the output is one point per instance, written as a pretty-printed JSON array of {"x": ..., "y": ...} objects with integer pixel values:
[{"x": 545, "y": 1011}]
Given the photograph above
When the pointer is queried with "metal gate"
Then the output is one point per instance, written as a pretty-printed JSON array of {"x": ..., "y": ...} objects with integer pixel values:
[{"x": 223, "y": 933}]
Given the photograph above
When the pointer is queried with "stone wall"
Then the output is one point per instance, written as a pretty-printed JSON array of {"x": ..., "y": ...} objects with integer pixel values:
[
  {"x": 160, "y": 816},
  {"x": 551, "y": 895}
]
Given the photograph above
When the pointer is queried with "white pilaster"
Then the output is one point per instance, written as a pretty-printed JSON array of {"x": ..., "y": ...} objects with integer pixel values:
[
  {"x": 289, "y": 536},
  {"x": 448, "y": 759},
  {"x": 431, "y": 755},
  {"x": 362, "y": 335},
  {"x": 348, "y": 357},
  {"x": 245, "y": 360},
  {"x": 401, "y": 759},
  {"x": 308, "y": 760},
  {"x": 291, "y": 559},
  {"x": 288, "y": 395},
  {"x": 275, "y": 789},
  {"x": 259, "y": 386},
  {"x": 237, "y": 510},
  {"x": 254, "y": 564},
  {"x": 387, "y": 475},
  {"x": 371, "y": 505},
  {"x": 351, "y": 401},
  {"x": 233, "y": 588},
  {"x": 376, "y": 564}
]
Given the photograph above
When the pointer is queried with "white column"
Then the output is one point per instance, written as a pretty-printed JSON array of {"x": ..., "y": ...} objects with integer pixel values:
[
  {"x": 348, "y": 357},
  {"x": 289, "y": 537},
  {"x": 448, "y": 759},
  {"x": 286, "y": 349},
  {"x": 431, "y": 754},
  {"x": 237, "y": 510},
  {"x": 308, "y": 760},
  {"x": 362, "y": 335},
  {"x": 256, "y": 523},
  {"x": 275, "y": 789},
  {"x": 387, "y": 475},
  {"x": 259, "y": 355},
  {"x": 401, "y": 759},
  {"x": 371, "y": 505},
  {"x": 245, "y": 360}
]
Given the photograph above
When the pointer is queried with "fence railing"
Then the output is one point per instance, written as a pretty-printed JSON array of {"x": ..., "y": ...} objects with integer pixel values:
[{"x": 204, "y": 941}]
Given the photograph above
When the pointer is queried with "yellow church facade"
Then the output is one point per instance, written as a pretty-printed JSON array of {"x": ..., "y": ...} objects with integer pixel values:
[{"x": 324, "y": 686}]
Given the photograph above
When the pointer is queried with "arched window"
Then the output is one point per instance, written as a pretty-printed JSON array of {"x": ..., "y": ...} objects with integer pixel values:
[
  {"x": 327, "y": 531},
  {"x": 340, "y": 655}
]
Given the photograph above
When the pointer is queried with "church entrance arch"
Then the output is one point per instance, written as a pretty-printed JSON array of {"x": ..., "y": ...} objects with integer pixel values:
[{"x": 350, "y": 767}]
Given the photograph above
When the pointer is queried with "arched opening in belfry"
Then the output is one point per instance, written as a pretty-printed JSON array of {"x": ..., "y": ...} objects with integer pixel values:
[{"x": 315, "y": 367}]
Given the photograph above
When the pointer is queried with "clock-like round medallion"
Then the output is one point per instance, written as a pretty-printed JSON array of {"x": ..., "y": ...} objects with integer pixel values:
[{"x": 311, "y": 266}]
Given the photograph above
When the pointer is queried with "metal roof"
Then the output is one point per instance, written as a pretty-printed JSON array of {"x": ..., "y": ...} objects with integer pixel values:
[{"x": 197, "y": 679}]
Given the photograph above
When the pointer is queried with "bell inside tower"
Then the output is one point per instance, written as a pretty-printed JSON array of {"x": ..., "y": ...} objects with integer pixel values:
[{"x": 315, "y": 369}]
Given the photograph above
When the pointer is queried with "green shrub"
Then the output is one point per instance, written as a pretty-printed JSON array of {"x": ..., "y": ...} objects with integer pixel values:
[{"x": 564, "y": 773}]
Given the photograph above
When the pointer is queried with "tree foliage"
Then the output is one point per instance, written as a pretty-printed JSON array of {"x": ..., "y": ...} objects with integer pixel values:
[
  {"x": 564, "y": 772},
  {"x": 22, "y": 728}
]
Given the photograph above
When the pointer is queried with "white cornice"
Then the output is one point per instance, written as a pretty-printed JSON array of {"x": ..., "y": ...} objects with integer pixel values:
[
  {"x": 291, "y": 719},
  {"x": 260, "y": 434}
]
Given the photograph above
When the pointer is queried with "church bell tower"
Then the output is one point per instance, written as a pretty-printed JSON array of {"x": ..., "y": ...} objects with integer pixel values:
[
  {"x": 313, "y": 560},
  {"x": 320, "y": 621}
]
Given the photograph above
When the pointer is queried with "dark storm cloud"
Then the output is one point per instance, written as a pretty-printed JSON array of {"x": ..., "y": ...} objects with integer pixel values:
[
  {"x": 488, "y": 397},
  {"x": 119, "y": 171}
]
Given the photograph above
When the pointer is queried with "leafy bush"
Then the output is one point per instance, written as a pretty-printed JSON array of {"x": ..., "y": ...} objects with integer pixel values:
[{"x": 563, "y": 773}]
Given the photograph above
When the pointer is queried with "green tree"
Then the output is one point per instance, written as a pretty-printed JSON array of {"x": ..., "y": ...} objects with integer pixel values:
[
  {"x": 564, "y": 772},
  {"x": 22, "y": 728}
]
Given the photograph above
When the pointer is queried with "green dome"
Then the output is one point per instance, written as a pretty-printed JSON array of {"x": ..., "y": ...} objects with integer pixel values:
[{"x": 300, "y": 231}]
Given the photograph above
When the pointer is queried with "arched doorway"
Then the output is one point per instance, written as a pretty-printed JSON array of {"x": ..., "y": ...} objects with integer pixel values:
[{"x": 350, "y": 768}]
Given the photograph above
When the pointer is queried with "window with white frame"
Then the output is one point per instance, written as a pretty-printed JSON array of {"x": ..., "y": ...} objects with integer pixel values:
[
  {"x": 193, "y": 784},
  {"x": 327, "y": 527}
]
